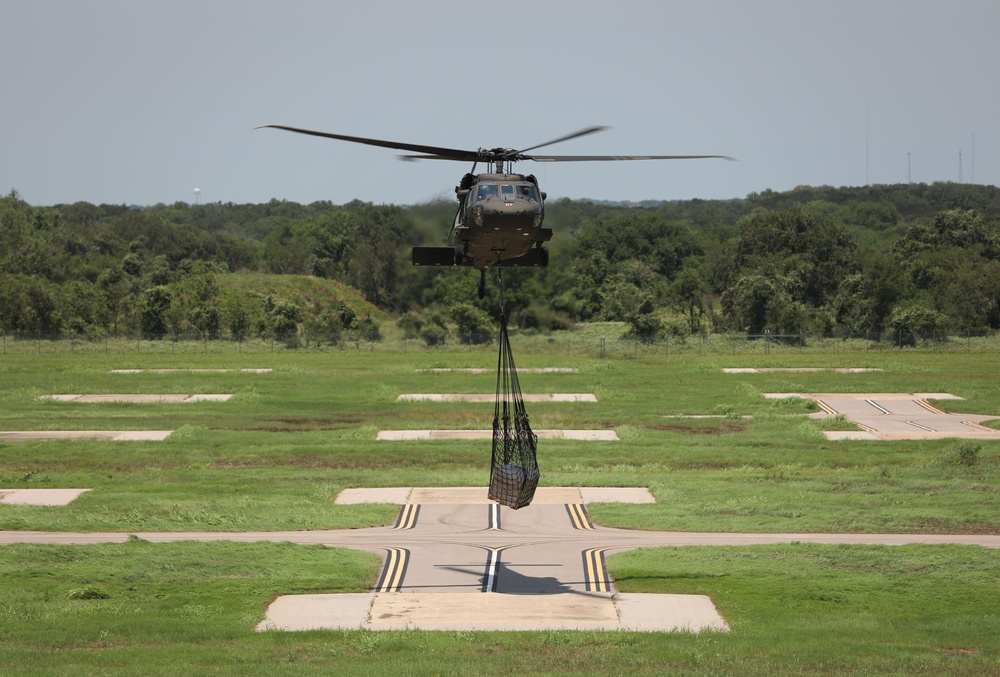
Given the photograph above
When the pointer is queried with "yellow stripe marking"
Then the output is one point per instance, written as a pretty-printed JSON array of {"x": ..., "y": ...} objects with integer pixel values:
[
  {"x": 578, "y": 516},
  {"x": 407, "y": 517},
  {"x": 826, "y": 407},
  {"x": 930, "y": 407},
  {"x": 981, "y": 427},
  {"x": 395, "y": 567},
  {"x": 595, "y": 572}
]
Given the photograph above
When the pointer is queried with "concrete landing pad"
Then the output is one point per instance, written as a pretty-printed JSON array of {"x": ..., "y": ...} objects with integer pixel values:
[
  {"x": 492, "y": 370},
  {"x": 47, "y": 497},
  {"x": 849, "y": 435},
  {"x": 491, "y": 397},
  {"x": 494, "y": 612},
  {"x": 406, "y": 435},
  {"x": 138, "y": 398},
  {"x": 189, "y": 371},
  {"x": 769, "y": 370},
  {"x": 897, "y": 416},
  {"x": 478, "y": 495},
  {"x": 116, "y": 435}
]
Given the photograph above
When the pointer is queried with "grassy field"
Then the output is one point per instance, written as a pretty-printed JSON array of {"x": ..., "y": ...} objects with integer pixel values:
[{"x": 277, "y": 454}]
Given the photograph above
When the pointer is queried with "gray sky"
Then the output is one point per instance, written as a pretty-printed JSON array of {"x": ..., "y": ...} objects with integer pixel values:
[{"x": 134, "y": 102}]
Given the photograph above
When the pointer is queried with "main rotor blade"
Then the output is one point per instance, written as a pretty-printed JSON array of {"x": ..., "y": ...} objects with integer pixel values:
[
  {"x": 442, "y": 153},
  {"x": 601, "y": 158},
  {"x": 582, "y": 132}
]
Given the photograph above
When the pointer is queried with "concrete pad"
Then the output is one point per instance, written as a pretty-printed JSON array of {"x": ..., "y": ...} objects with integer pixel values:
[
  {"x": 849, "y": 435},
  {"x": 770, "y": 370},
  {"x": 668, "y": 613},
  {"x": 407, "y": 435},
  {"x": 142, "y": 436},
  {"x": 190, "y": 371},
  {"x": 491, "y": 370},
  {"x": 355, "y": 496},
  {"x": 865, "y": 396},
  {"x": 318, "y": 612},
  {"x": 117, "y": 435},
  {"x": 493, "y": 612},
  {"x": 696, "y": 416},
  {"x": 897, "y": 416},
  {"x": 478, "y": 496},
  {"x": 491, "y": 397},
  {"x": 137, "y": 398},
  {"x": 46, "y": 497},
  {"x": 616, "y": 495}
]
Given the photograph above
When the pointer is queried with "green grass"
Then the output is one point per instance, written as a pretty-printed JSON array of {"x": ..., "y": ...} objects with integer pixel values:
[{"x": 275, "y": 457}]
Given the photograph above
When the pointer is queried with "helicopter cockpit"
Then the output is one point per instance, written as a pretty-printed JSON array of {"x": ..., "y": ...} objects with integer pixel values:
[{"x": 509, "y": 192}]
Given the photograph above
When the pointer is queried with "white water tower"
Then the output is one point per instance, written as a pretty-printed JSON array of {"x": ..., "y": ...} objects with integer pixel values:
[{"x": 197, "y": 194}]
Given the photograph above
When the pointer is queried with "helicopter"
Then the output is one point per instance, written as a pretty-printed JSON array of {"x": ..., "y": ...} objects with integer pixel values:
[{"x": 500, "y": 213}]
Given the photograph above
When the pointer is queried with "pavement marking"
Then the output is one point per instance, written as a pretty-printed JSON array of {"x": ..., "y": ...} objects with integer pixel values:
[
  {"x": 578, "y": 516},
  {"x": 391, "y": 579},
  {"x": 492, "y": 562},
  {"x": 930, "y": 407},
  {"x": 115, "y": 435},
  {"x": 411, "y": 435},
  {"x": 493, "y": 518},
  {"x": 407, "y": 516},
  {"x": 491, "y": 397},
  {"x": 595, "y": 570}
]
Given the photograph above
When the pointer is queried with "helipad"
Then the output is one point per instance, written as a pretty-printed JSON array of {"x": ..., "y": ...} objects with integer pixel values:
[
  {"x": 190, "y": 371},
  {"x": 478, "y": 495},
  {"x": 47, "y": 497},
  {"x": 769, "y": 370},
  {"x": 457, "y": 561},
  {"x": 897, "y": 416},
  {"x": 491, "y": 397},
  {"x": 494, "y": 612},
  {"x": 115, "y": 435},
  {"x": 478, "y": 370},
  {"x": 137, "y": 398},
  {"x": 407, "y": 435}
]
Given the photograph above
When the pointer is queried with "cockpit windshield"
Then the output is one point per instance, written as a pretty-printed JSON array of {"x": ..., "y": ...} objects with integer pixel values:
[{"x": 508, "y": 191}]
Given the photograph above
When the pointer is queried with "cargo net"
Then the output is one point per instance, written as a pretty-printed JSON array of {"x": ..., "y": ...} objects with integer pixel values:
[{"x": 514, "y": 471}]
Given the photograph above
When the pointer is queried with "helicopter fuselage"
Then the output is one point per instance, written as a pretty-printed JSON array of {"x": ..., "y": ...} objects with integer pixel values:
[{"x": 499, "y": 219}]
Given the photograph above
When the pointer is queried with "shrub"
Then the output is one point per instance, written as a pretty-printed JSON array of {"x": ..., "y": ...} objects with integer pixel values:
[{"x": 963, "y": 452}]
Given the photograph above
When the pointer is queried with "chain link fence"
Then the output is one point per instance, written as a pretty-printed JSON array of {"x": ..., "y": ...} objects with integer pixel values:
[{"x": 568, "y": 343}]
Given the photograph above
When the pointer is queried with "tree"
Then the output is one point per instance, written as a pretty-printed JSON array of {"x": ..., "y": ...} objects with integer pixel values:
[
  {"x": 817, "y": 252},
  {"x": 154, "y": 304}
]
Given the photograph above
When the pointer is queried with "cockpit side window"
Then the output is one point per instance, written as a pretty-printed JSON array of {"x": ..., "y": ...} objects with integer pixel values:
[
  {"x": 486, "y": 191},
  {"x": 527, "y": 192}
]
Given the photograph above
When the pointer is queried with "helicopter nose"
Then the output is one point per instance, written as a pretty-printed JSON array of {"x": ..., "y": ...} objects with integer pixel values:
[{"x": 500, "y": 215}]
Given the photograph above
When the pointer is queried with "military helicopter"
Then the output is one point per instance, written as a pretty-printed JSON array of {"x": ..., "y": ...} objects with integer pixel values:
[{"x": 500, "y": 213}]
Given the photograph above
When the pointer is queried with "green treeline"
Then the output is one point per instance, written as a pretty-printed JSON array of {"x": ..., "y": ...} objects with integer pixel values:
[{"x": 821, "y": 260}]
